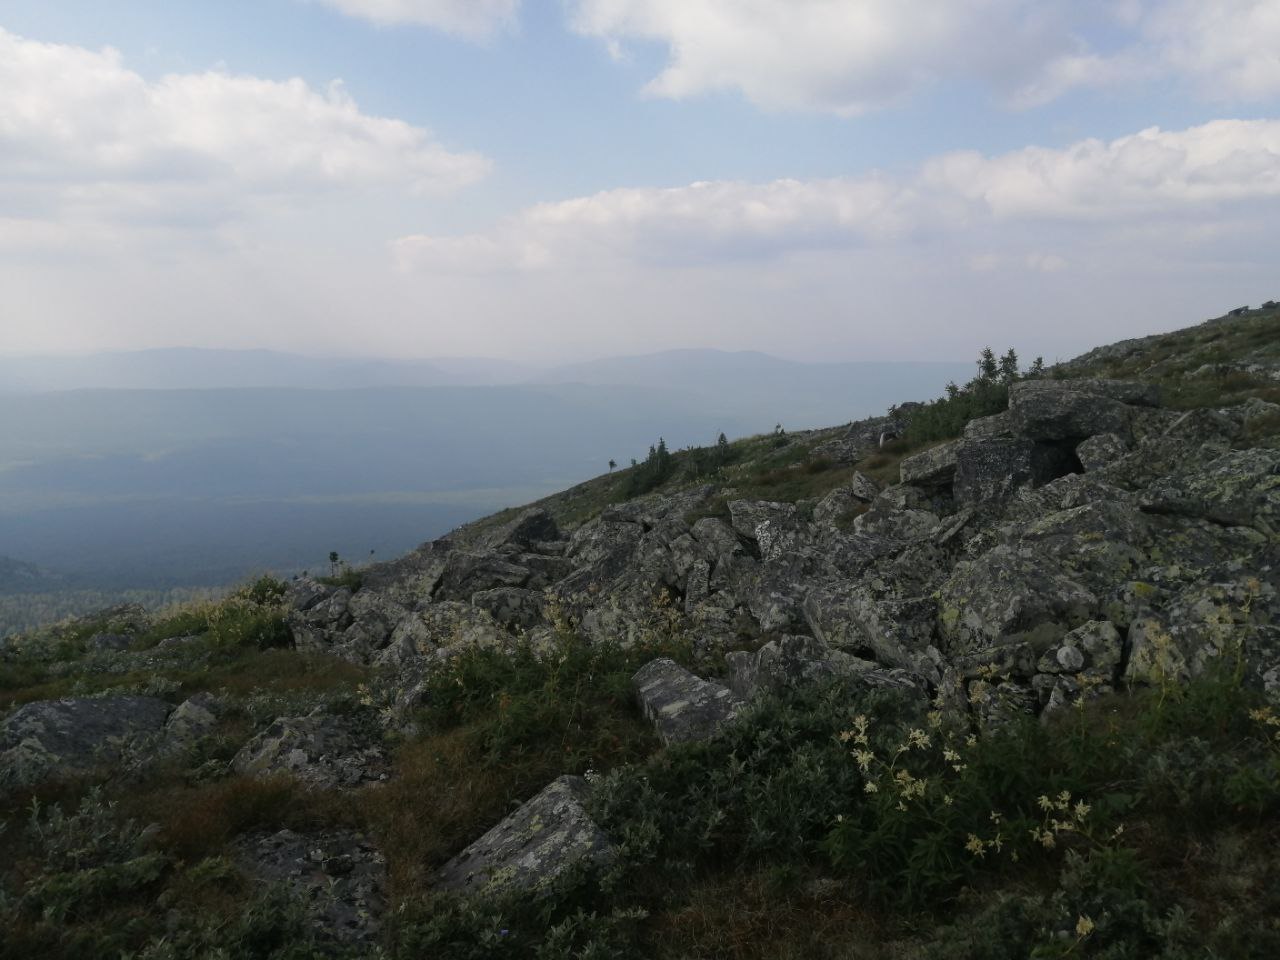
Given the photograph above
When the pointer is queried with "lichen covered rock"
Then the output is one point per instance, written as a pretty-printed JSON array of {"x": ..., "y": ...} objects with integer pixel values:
[
  {"x": 681, "y": 706},
  {"x": 64, "y": 738},
  {"x": 547, "y": 837}
]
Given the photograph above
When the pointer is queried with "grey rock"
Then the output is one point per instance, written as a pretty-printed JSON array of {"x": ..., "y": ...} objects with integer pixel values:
[
  {"x": 849, "y": 616},
  {"x": 190, "y": 721},
  {"x": 468, "y": 573},
  {"x": 303, "y": 593},
  {"x": 319, "y": 750},
  {"x": 904, "y": 496},
  {"x": 1136, "y": 393},
  {"x": 681, "y": 706},
  {"x": 884, "y": 522},
  {"x": 435, "y": 629},
  {"x": 338, "y": 875},
  {"x": 1204, "y": 426},
  {"x": 318, "y": 626},
  {"x": 761, "y": 520},
  {"x": 987, "y": 428},
  {"x": 1238, "y": 488},
  {"x": 512, "y": 607},
  {"x": 548, "y": 836},
  {"x": 858, "y": 492},
  {"x": 865, "y": 437},
  {"x": 1066, "y": 410},
  {"x": 1095, "y": 646},
  {"x": 993, "y": 469},
  {"x": 1007, "y": 591},
  {"x": 863, "y": 487},
  {"x": 64, "y": 738},
  {"x": 933, "y": 467},
  {"x": 795, "y": 661},
  {"x": 1101, "y": 449}
]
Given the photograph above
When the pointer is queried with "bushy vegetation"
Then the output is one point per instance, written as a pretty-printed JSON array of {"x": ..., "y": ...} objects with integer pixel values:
[
  {"x": 1065, "y": 838},
  {"x": 986, "y": 394},
  {"x": 252, "y": 616},
  {"x": 837, "y": 821}
]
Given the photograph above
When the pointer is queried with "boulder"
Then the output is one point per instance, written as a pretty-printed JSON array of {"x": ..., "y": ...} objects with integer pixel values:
[
  {"x": 761, "y": 521},
  {"x": 681, "y": 706},
  {"x": 319, "y": 750},
  {"x": 1006, "y": 591},
  {"x": 987, "y": 428},
  {"x": 794, "y": 661},
  {"x": 864, "y": 437},
  {"x": 1238, "y": 488},
  {"x": 1204, "y": 425},
  {"x": 191, "y": 720},
  {"x": 512, "y": 607},
  {"x": 1066, "y": 410},
  {"x": 437, "y": 628},
  {"x": 849, "y": 616},
  {"x": 1134, "y": 393},
  {"x": 466, "y": 573},
  {"x": 75, "y": 736},
  {"x": 545, "y": 838},
  {"x": 934, "y": 467},
  {"x": 303, "y": 593},
  {"x": 526, "y": 530},
  {"x": 320, "y": 625},
  {"x": 887, "y": 523},
  {"x": 994, "y": 469},
  {"x": 1101, "y": 449},
  {"x": 857, "y": 493},
  {"x": 338, "y": 875}
]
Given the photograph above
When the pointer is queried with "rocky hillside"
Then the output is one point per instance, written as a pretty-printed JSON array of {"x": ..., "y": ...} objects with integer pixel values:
[{"x": 831, "y": 677}]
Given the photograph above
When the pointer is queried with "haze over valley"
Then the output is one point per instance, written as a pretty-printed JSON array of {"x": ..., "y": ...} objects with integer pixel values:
[{"x": 106, "y": 488}]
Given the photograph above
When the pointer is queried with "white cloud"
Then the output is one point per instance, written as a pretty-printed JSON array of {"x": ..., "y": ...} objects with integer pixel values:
[
  {"x": 1230, "y": 49},
  {"x": 851, "y": 56},
  {"x": 1153, "y": 175},
  {"x": 81, "y": 135},
  {"x": 473, "y": 19}
]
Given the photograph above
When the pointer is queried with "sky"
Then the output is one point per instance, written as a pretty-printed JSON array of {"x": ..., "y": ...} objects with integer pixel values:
[{"x": 556, "y": 180}]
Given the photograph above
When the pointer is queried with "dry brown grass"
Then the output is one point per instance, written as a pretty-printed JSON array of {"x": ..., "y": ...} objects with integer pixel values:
[
  {"x": 199, "y": 821},
  {"x": 442, "y": 798},
  {"x": 278, "y": 671},
  {"x": 747, "y": 917}
]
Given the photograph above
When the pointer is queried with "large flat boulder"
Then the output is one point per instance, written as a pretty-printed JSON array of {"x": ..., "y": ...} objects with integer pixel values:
[
  {"x": 933, "y": 467},
  {"x": 995, "y": 468},
  {"x": 683, "y": 707},
  {"x": 529, "y": 850},
  {"x": 1070, "y": 409},
  {"x": 74, "y": 736},
  {"x": 321, "y": 751}
]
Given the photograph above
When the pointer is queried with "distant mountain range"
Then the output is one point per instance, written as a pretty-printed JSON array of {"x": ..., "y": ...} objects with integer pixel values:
[
  {"x": 740, "y": 385},
  {"x": 200, "y": 369}
]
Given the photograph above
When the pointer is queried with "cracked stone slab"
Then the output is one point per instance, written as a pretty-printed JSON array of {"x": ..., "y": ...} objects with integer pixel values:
[
  {"x": 545, "y": 838},
  {"x": 683, "y": 707}
]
